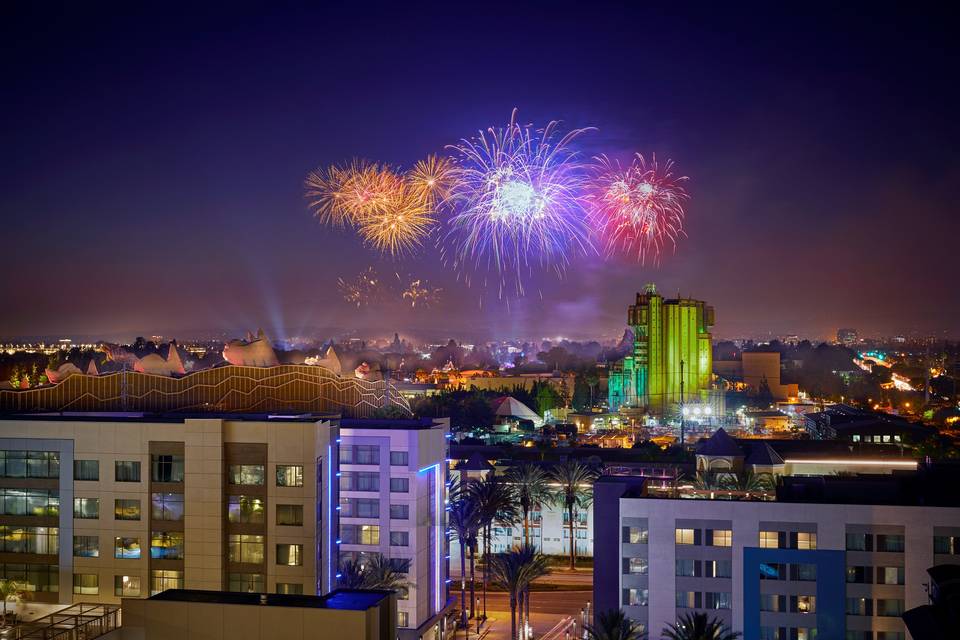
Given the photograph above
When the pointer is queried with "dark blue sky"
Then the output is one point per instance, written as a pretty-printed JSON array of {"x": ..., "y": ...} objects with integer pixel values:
[{"x": 153, "y": 158}]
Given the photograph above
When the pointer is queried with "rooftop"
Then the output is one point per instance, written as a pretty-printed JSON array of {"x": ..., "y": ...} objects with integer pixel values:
[{"x": 343, "y": 599}]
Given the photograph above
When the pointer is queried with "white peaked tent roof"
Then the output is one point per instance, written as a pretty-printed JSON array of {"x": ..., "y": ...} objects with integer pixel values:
[{"x": 510, "y": 406}]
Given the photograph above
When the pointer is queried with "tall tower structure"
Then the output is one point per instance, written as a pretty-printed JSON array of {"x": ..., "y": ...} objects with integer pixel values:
[{"x": 671, "y": 356}]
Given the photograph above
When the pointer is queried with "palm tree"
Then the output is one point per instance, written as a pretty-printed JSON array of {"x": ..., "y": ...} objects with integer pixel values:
[
  {"x": 750, "y": 482},
  {"x": 709, "y": 481},
  {"x": 8, "y": 589},
  {"x": 377, "y": 572},
  {"x": 464, "y": 520},
  {"x": 514, "y": 571},
  {"x": 576, "y": 492},
  {"x": 614, "y": 625},
  {"x": 531, "y": 486},
  {"x": 496, "y": 504},
  {"x": 697, "y": 626}
]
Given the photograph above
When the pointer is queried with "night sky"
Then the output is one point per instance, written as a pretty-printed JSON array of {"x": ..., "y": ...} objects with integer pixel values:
[{"x": 153, "y": 160}]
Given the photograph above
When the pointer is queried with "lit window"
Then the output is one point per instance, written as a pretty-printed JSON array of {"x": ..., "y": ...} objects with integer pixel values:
[
  {"x": 806, "y": 604},
  {"x": 166, "y": 545},
  {"x": 245, "y": 510},
  {"x": 86, "y": 547},
  {"x": 636, "y": 566},
  {"x": 403, "y": 619},
  {"x": 126, "y": 586},
  {"x": 167, "y": 506},
  {"x": 289, "y": 475},
  {"x": 769, "y": 539},
  {"x": 86, "y": 508},
  {"x": 246, "y": 582},
  {"x": 86, "y": 584},
  {"x": 245, "y": 474},
  {"x": 635, "y": 535},
  {"x": 161, "y": 580},
  {"x": 684, "y": 536},
  {"x": 290, "y": 555},
  {"x": 290, "y": 588},
  {"x": 245, "y": 548},
  {"x": 722, "y": 537},
  {"x": 126, "y": 509},
  {"x": 126, "y": 548},
  {"x": 806, "y": 540},
  {"x": 636, "y": 597}
]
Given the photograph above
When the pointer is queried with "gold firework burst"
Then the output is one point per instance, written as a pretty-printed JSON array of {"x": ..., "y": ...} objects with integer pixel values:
[{"x": 431, "y": 179}]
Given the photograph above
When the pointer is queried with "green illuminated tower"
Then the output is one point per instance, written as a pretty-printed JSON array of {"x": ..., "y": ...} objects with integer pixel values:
[{"x": 666, "y": 333}]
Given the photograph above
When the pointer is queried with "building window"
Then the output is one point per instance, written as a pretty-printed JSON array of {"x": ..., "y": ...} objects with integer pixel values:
[
  {"x": 289, "y": 475},
  {"x": 399, "y": 458},
  {"x": 635, "y": 566},
  {"x": 890, "y": 543},
  {"x": 806, "y": 540},
  {"x": 166, "y": 545},
  {"x": 803, "y": 604},
  {"x": 290, "y": 555},
  {"x": 806, "y": 633},
  {"x": 245, "y": 474},
  {"x": 399, "y": 538},
  {"x": 772, "y": 602},
  {"x": 86, "y": 470},
  {"x": 245, "y": 548},
  {"x": 716, "y": 600},
  {"x": 86, "y": 547},
  {"x": 889, "y": 607},
  {"x": 635, "y": 535},
  {"x": 290, "y": 515},
  {"x": 360, "y": 534},
  {"x": 769, "y": 539},
  {"x": 360, "y": 481},
  {"x": 688, "y": 600},
  {"x": 636, "y": 597},
  {"x": 29, "y": 464},
  {"x": 360, "y": 507},
  {"x": 859, "y": 542},
  {"x": 167, "y": 506},
  {"x": 360, "y": 454},
  {"x": 126, "y": 586},
  {"x": 86, "y": 584},
  {"x": 771, "y": 633},
  {"x": 686, "y": 568},
  {"x": 804, "y": 572},
  {"x": 166, "y": 468},
  {"x": 161, "y": 580},
  {"x": 890, "y": 635},
  {"x": 685, "y": 536},
  {"x": 399, "y": 512},
  {"x": 859, "y": 575},
  {"x": 717, "y": 568},
  {"x": 86, "y": 508},
  {"x": 126, "y": 509},
  {"x": 399, "y": 485},
  {"x": 245, "y": 510},
  {"x": 889, "y": 575},
  {"x": 30, "y": 502},
  {"x": 859, "y": 607},
  {"x": 35, "y": 540},
  {"x": 859, "y": 635},
  {"x": 773, "y": 571},
  {"x": 126, "y": 471},
  {"x": 403, "y": 619},
  {"x": 290, "y": 588},
  {"x": 946, "y": 544},
  {"x": 722, "y": 538},
  {"x": 126, "y": 548},
  {"x": 246, "y": 582}
]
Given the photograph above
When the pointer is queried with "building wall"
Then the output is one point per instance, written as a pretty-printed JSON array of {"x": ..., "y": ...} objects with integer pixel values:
[{"x": 830, "y": 523}]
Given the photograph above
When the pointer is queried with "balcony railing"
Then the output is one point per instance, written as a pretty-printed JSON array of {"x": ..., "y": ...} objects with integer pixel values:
[{"x": 81, "y": 621}]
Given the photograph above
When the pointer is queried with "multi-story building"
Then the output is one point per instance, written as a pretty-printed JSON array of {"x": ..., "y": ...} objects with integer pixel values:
[
  {"x": 671, "y": 360},
  {"x": 99, "y": 507},
  {"x": 830, "y": 558}
]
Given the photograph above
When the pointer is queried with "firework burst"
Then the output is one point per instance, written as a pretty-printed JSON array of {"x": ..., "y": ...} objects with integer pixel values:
[
  {"x": 517, "y": 204},
  {"x": 419, "y": 294},
  {"x": 638, "y": 209},
  {"x": 399, "y": 224},
  {"x": 365, "y": 289},
  {"x": 431, "y": 179},
  {"x": 327, "y": 194}
]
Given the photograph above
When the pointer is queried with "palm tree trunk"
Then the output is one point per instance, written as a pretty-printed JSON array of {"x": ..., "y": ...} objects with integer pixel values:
[
  {"x": 463, "y": 583},
  {"x": 513, "y": 615},
  {"x": 573, "y": 548},
  {"x": 526, "y": 526},
  {"x": 486, "y": 564},
  {"x": 526, "y": 600},
  {"x": 473, "y": 597},
  {"x": 521, "y": 622}
]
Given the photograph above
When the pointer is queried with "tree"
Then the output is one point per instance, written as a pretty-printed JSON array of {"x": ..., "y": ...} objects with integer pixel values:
[
  {"x": 576, "y": 492},
  {"x": 709, "y": 481},
  {"x": 547, "y": 398},
  {"x": 531, "y": 486},
  {"x": 750, "y": 482},
  {"x": 8, "y": 589},
  {"x": 496, "y": 503},
  {"x": 377, "y": 572},
  {"x": 614, "y": 625},
  {"x": 464, "y": 520},
  {"x": 514, "y": 571},
  {"x": 697, "y": 626},
  {"x": 581, "y": 400}
]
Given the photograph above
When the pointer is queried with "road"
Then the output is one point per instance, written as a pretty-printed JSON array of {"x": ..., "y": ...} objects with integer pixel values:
[{"x": 548, "y": 609}]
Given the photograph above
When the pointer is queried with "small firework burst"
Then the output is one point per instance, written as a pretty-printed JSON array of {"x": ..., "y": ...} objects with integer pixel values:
[
  {"x": 366, "y": 289},
  {"x": 399, "y": 225},
  {"x": 431, "y": 179},
  {"x": 638, "y": 209},
  {"x": 419, "y": 294}
]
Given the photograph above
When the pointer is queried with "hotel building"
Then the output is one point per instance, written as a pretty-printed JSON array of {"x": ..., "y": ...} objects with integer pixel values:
[
  {"x": 833, "y": 558},
  {"x": 99, "y": 507}
]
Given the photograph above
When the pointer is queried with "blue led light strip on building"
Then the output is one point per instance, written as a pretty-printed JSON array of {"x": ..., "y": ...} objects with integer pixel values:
[{"x": 438, "y": 536}]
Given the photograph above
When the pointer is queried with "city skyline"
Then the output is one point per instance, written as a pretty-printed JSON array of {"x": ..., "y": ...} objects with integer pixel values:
[{"x": 158, "y": 186}]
